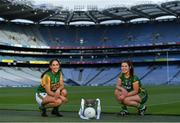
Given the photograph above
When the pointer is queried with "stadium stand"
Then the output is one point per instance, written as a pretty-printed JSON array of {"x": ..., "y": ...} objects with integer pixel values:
[
  {"x": 152, "y": 45},
  {"x": 113, "y": 35}
]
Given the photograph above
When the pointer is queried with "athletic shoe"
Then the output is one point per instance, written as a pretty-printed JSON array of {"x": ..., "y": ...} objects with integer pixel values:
[
  {"x": 123, "y": 113},
  {"x": 142, "y": 110},
  {"x": 43, "y": 110},
  {"x": 56, "y": 112}
]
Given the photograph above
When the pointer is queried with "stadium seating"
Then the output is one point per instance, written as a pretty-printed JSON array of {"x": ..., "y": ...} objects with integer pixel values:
[
  {"x": 151, "y": 75},
  {"x": 102, "y": 35}
]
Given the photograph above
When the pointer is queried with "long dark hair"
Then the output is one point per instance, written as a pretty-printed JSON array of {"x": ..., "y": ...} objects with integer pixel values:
[
  {"x": 131, "y": 67},
  {"x": 49, "y": 69}
]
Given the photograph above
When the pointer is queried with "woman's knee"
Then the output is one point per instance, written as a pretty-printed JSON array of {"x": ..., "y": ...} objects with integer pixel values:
[
  {"x": 64, "y": 99},
  {"x": 126, "y": 101},
  {"x": 120, "y": 98},
  {"x": 117, "y": 93},
  {"x": 58, "y": 102},
  {"x": 64, "y": 92}
]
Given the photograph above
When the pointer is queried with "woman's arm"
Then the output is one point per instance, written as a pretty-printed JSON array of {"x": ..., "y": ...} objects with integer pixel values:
[
  {"x": 61, "y": 85},
  {"x": 122, "y": 92},
  {"x": 61, "y": 82},
  {"x": 135, "y": 89},
  {"x": 46, "y": 84},
  {"x": 119, "y": 84}
]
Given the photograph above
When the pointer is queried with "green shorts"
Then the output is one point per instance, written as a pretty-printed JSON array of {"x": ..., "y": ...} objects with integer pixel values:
[{"x": 143, "y": 95}]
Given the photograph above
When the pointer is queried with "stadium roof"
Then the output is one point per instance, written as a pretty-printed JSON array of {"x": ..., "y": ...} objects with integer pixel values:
[{"x": 23, "y": 9}]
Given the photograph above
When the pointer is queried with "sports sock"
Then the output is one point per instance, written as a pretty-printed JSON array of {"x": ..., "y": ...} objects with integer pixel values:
[
  {"x": 124, "y": 107},
  {"x": 141, "y": 106}
]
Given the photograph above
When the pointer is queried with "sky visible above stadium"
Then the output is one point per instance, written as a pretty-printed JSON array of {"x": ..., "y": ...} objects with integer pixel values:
[
  {"x": 70, "y": 4},
  {"x": 85, "y": 5}
]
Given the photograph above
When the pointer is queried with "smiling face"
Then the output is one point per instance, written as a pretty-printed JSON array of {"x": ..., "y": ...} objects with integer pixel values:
[
  {"x": 55, "y": 66},
  {"x": 125, "y": 68}
]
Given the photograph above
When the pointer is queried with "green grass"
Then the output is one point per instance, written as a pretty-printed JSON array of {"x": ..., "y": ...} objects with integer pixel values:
[{"x": 163, "y": 100}]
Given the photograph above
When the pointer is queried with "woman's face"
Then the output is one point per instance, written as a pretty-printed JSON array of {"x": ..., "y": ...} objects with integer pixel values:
[
  {"x": 125, "y": 68},
  {"x": 55, "y": 66}
]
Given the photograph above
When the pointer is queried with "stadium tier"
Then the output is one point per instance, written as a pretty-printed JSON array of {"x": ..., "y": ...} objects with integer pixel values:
[
  {"x": 90, "y": 54},
  {"x": 83, "y": 45},
  {"x": 103, "y": 35}
]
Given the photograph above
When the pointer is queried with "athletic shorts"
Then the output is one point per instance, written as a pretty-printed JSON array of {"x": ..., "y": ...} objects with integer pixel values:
[
  {"x": 39, "y": 98},
  {"x": 143, "y": 95}
]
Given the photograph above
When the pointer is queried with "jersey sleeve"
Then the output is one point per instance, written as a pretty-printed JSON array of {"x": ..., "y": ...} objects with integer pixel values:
[
  {"x": 121, "y": 76},
  {"x": 45, "y": 80},
  {"x": 135, "y": 79},
  {"x": 61, "y": 77}
]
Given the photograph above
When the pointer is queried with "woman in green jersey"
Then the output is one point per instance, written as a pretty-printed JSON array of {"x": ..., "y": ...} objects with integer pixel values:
[
  {"x": 129, "y": 91},
  {"x": 51, "y": 92}
]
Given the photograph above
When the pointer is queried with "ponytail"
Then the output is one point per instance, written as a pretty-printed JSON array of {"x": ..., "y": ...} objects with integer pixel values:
[{"x": 45, "y": 72}]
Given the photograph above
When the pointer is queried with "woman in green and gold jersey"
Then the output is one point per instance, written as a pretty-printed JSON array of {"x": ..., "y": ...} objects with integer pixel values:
[
  {"x": 129, "y": 91},
  {"x": 51, "y": 92}
]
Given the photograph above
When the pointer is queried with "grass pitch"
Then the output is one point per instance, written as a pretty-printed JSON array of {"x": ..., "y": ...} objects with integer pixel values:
[{"x": 19, "y": 105}]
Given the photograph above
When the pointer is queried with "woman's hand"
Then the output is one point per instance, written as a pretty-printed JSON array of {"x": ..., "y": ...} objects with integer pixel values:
[
  {"x": 122, "y": 97},
  {"x": 124, "y": 93},
  {"x": 57, "y": 94}
]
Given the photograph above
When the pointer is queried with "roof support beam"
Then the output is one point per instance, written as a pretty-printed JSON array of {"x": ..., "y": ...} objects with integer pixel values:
[
  {"x": 168, "y": 11},
  {"x": 91, "y": 17},
  {"x": 69, "y": 18},
  {"x": 49, "y": 16},
  {"x": 114, "y": 16},
  {"x": 141, "y": 14},
  {"x": 13, "y": 12}
]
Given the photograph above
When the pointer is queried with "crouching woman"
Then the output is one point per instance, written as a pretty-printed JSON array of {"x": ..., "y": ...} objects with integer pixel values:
[
  {"x": 51, "y": 92},
  {"x": 129, "y": 91}
]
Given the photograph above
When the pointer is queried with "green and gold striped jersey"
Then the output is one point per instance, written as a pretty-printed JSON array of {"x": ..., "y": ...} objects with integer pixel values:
[{"x": 50, "y": 79}]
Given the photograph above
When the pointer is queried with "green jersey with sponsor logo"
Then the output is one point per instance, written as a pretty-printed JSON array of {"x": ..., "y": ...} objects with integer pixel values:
[
  {"x": 53, "y": 80},
  {"x": 127, "y": 83}
]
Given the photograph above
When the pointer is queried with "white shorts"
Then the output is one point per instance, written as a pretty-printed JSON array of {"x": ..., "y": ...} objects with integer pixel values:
[{"x": 39, "y": 98}]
